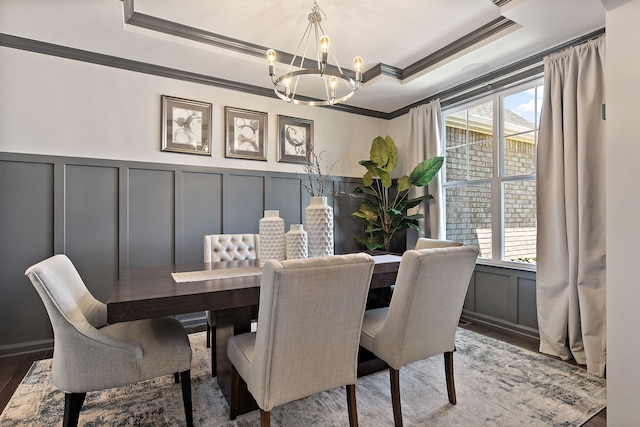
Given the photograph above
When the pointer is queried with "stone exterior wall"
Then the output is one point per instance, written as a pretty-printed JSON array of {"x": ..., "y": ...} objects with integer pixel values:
[{"x": 469, "y": 206}]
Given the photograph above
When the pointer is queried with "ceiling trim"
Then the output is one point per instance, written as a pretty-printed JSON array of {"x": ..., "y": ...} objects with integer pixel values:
[
  {"x": 498, "y": 79},
  {"x": 500, "y": 3},
  {"x": 148, "y": 22},
  {"x": 476, "y": 36}
]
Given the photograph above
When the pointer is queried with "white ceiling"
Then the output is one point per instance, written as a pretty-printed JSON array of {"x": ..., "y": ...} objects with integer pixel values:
[{"x": 396, "y": 34}]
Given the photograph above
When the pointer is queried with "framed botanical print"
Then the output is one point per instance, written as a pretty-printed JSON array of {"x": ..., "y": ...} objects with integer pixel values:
[
  {"x": 246, "y": 134},
  {"x": 186, "y": 126},
  {"x": 295, "y": 139}
]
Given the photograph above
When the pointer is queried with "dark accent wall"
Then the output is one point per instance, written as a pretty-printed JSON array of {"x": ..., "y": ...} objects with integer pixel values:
[{"x": 109, "y": 215}]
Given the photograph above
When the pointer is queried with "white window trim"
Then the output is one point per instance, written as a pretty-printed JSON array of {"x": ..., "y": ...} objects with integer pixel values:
[{"x": 497, "y": 180}]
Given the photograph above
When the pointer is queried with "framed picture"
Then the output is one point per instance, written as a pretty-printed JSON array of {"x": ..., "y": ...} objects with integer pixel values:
[
  {"x": 295, "y": 139},
  {"x": 186, "y": 126},
  {"x": 246, "y": 134}
]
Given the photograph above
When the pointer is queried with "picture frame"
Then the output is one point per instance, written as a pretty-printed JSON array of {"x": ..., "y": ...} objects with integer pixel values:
[
  {"x": 295, "y": 139},
  {"x": 245, "y": 134},
  {"x": 186, "y": 126}
]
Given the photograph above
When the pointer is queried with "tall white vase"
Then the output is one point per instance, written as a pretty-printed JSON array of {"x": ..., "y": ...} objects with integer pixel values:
[
  {"x": 297, "y": 243},
  {"x": 318, "y": 221},
  {"x": 272, "y": 241}
]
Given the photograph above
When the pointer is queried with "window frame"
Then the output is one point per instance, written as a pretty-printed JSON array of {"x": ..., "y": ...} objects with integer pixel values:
[{"x": 498, "y": 179}]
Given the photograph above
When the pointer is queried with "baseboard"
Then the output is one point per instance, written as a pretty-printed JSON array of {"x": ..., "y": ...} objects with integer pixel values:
[
  {"x": 499, "y": 323},
  {"x": 26, "y": 347},
  {"x": 190, "y": 323}
]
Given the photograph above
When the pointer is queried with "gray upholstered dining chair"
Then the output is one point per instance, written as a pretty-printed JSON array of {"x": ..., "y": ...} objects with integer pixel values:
[
  {"x": 423, "y": 315},
  {"x": 427, "y": 243},
  {"x": 226, "y": 247},
  {"x": 308, "y": 331},
  {"x": 90, "y": 355}
]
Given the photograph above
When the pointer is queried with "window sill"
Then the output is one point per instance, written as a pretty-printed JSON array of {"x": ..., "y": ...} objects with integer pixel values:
[{"x": 507, "y": 264}]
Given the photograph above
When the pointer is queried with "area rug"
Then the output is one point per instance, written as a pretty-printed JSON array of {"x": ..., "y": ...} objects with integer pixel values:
[{"x": 497, "y": 384}]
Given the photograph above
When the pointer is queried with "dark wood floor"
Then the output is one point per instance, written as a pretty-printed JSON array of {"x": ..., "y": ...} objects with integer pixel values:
[{"x": 14, "y": 368}]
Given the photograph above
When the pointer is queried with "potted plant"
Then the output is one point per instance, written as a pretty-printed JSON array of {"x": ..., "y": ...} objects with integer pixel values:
[{"x": 385, "y": 202}]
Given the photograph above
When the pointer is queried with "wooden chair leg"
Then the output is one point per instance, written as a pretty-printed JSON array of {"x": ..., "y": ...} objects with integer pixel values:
[
  {"x": 394, "y": 379},
  {"x": 208, "y": 335},
  {"x": 185, "y": 380},
  {"x": 265, "y": 418},
  {"x": 233, "y": 394},
  {"x": 72, "y": 405},
  {"x": 448, "y": 372},
  {"x": 351, "y": 405}
]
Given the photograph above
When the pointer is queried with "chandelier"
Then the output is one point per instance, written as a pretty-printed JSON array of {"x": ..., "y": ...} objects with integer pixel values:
[{"x": 318, "y": 75}]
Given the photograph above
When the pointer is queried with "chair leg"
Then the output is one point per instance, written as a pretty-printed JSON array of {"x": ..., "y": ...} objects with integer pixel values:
[
  {"x": 394, "y": 379},
  {"x": 233, "y": 394},
  {"x": 208, "y": 335},
  {"x": 265, "y": 418},
  {"x": 185, "y": 380},
  {"x": 351, "y": 405},
  {"x": 176, "y": 377},
  {"x": 72, "y": 405},
  {"x": 448, "y": 372}
]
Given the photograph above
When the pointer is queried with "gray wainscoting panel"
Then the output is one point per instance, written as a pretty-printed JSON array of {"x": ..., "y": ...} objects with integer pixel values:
[
  {"x": 201, "y": 212},
  {"x": 26, "y": 237},
  {"x": 527, "y": 313},
  {"x": 151, "y": 217},
  {"x": 493, "y": 294},
  {"x": 286, "y": 197},
  {"x": 347, "y": 226},
  {"x": 503, "y": 297},
  {"x": 91, "y": 225},
  {"x": 246, "y": 203}
]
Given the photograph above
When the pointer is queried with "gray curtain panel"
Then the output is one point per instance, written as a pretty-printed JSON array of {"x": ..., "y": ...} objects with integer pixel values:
[
  {"x": 571, "y": 207},
  {"x": 426, "y": 131}
]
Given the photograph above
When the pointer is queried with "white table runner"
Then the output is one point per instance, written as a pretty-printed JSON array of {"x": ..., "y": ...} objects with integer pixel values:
[
  {"x": 222, "y": 273},
  {"x": 381, "y": 259}
]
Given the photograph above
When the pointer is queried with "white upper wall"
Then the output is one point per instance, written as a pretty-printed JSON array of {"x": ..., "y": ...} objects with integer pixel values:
[
  {"x": 623, "y": 208},
  {"x": 56, "y": 106}
]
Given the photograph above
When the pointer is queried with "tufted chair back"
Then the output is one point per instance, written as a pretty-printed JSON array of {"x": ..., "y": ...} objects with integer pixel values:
[{"x": 230, "y": 247}]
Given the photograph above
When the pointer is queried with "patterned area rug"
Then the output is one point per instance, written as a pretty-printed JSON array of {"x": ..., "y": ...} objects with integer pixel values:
[{"x": 497, "y": 384}]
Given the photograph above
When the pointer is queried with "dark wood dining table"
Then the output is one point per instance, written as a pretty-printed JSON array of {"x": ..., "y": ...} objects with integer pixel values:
[{"x": 143, "y": 293}]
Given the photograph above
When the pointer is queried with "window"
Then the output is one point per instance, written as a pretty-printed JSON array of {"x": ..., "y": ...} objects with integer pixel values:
[{"x": 489, "y": 174}]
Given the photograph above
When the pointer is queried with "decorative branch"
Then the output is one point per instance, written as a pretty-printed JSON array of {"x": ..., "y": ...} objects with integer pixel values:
[{"x": 316, "y": 180}]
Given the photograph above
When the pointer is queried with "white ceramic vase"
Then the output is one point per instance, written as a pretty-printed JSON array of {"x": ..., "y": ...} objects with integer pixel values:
[
  {"x": 272, "y": 241},
  {"x": 318, "y": 221},
  {"x": 297, "y": 243}
]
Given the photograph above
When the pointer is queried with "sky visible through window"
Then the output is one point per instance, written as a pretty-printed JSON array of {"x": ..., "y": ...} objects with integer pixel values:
[{"x": 524, "y": 103}]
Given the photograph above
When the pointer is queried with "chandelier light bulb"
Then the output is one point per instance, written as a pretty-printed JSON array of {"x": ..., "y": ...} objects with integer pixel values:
[
  {"x": 287, "y": 87},
  {"x": 324, "y": 48},
  {"x": 271, "y": 59},
  {"x": 357, "y": 64}
]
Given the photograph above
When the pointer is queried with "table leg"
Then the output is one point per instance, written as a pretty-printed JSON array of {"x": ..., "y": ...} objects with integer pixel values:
[{"x": 231, "y": 322}]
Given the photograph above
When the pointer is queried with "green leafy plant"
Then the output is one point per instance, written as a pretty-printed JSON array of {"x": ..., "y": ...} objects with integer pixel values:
[{"x": 384, "y": 204}]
